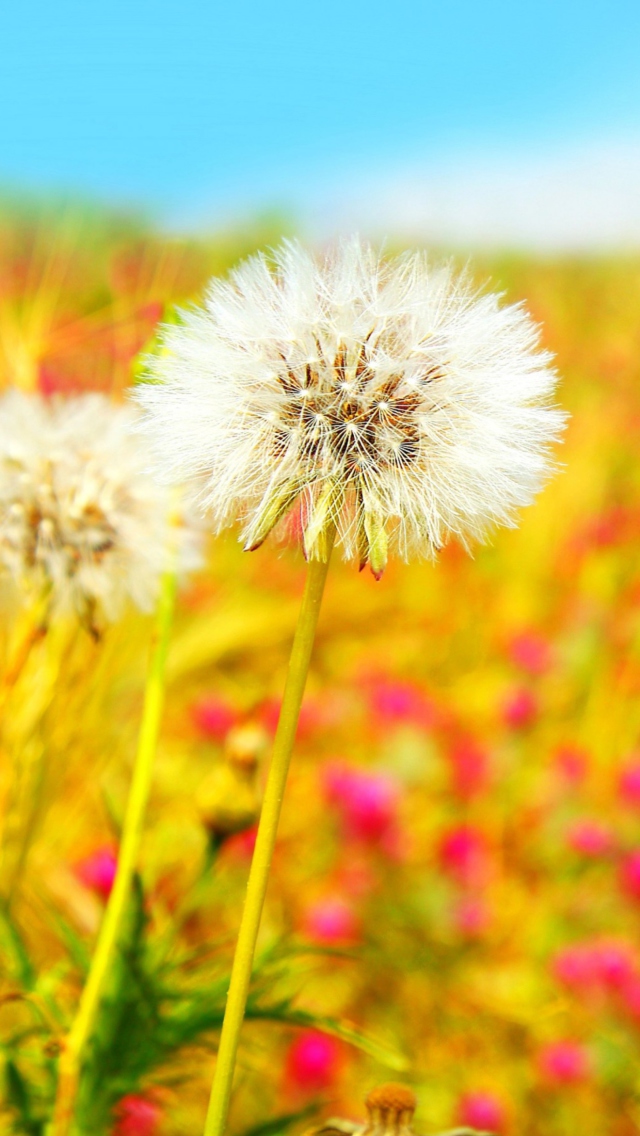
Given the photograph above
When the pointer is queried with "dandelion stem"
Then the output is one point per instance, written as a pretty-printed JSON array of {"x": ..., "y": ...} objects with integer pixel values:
[
  {"x": 265, "y": 843},
  {"x": 70, "y": 1066}
]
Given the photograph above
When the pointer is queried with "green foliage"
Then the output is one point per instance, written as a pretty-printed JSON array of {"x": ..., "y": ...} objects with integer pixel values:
[{"x": 162, "y": 1002}]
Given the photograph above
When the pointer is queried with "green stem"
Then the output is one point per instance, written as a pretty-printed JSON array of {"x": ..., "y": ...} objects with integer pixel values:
[
  {"x": 265, "y": 844},
  {"x": 71, "y": 1059}
]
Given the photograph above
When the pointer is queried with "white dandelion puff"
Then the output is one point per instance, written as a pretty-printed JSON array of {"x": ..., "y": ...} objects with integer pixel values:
[
  {"x": 80, "y": 514},
  {"x": 387, "y": 398}
]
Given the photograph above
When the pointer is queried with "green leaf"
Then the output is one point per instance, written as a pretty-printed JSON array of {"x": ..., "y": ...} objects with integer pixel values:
[
  {"x": 283, "y": 1012},
  {"x": 19, "y": 1099},
  {"x": 14, "y": 946},
  {"x": 76, "y": 947},
  {"x": 278, "y": 1124}
]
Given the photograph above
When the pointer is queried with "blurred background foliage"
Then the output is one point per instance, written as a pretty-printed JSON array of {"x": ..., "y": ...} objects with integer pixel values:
[{"x": 456, "y": 892}]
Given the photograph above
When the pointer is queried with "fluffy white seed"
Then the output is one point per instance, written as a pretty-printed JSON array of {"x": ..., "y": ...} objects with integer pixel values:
[
  {"x": 80, "y": 514},
  {"x": 388, "y": 398}
]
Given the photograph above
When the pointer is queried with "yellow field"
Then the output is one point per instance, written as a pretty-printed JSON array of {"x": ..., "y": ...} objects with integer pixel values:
[{"x": 457, "y": 881}]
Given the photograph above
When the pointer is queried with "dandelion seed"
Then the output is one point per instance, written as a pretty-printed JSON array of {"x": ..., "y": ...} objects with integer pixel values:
[
  {"x": 389, "y": 399},
  {"x": 79, "y": 512}
]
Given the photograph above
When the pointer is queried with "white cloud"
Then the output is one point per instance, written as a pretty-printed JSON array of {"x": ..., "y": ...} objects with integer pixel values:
[{"x": 578, "y": 198}]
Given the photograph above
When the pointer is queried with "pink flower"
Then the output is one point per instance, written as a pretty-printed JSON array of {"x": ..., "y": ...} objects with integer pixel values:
[
  {"x": 520, "y": 708},
  {"x": 630, "y": 875},
  {"x": 590, "y": 838},
  {"x": 471, "y": 916},
  {"x": 464, "y": 855},
  {"x": 607, "y": 963},
  {"x": 572, "y": 763},
  {"x": 564, "y": 1062},
  {"x": 313, "y": 1062},
  {"x": 615, "y": 963},
  {"x": 531, "y": 652},
  {"x": 214, "y": 717},
  {"x": 629, "y": 784},
  {"x": 331, "y": 920},
  {"x": 242, "y": 844},
  {"x": 576, "y": 966},
  {"x": 481, "y": 1110},
  {"x": 395, "y": 701},
  {"x": 469, "y": 768},
  {"x": 630, "y": 995},
  {"x": 97, "y": 871},
  {"x": 136, "y": 1116},
  {"x": 367, "y": 801}
]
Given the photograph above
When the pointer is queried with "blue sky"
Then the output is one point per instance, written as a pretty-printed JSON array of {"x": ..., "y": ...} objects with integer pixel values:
[{"x": 200, "y": 107}]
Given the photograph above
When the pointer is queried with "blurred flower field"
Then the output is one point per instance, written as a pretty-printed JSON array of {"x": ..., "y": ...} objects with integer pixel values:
[{"x": 455, "y": 901}]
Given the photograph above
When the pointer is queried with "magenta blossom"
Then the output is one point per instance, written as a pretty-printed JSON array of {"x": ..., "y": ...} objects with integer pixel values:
[
  {"x": 576, "y": 966},
  {"x": 367, "y": 802},
  {"x": 136, "y": 1116},
  {"x": 471, "y": 916},
  {"x": 630, "y": 875},
  {"x": 331, "y": 920},
  {"x": 469, "y": 768},
  {"x": 97, "y": 871},
  {"x": 630, "y": 997},
  {"x": 242, "y": 844},
  {"x": 481, "y": 1110},
  {"x": 572, "y": 763},
  {"x": 393, "y": 701},
  {"x": 629, "y": 784},
  {"x": 520, "y": 708},
  {"x": 616, "y": 963},
  {"x": 214, "y": 716},
  {"x": 531, "y": 652},
  {"x": 464, "y": 854},
  {"x": 605, "y": 963},
  {"x": 313, "y": 1062},
  {"x": 590, "y": 838},
  {"x": 564, "y": 1063}
]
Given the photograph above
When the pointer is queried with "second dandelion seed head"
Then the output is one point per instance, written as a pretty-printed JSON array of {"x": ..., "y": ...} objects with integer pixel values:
[{"x": 81, "y": 517}]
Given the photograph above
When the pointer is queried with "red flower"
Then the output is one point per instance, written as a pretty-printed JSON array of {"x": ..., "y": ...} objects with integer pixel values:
[
  {"x": 630, "y": 875},
  {"x": 469, "y": 768},
  {"x": 313, "y": 1062},
  {"x": 136, "y": 1116},
  {"x": 572, "y": 763},
  {"x": 331, "y": 920},
  {"x": 464, "y": 854},
  {"x": 629, "y": 784},
  {"x": 531, "y": 652},
  {"x": 590, "y": 838},
  {"x": 481, "y": 1110},
  {"x": 520, "y": 708},
  {"x": 564, "y": 1063},
  {"x": 97, "y": 871},
  {"x": 213, "y": 716},
  {"x": 367, "y": 801}
]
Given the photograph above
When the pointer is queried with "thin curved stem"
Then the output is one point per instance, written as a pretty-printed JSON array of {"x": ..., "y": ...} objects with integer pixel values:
[
  {"x": 71, "y": 1059},
  {"x": 265, "y": 844}
]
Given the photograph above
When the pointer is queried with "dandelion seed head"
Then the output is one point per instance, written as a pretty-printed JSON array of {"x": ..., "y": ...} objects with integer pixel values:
[
  {"x": 390, "y": 1110},
  {"x": 387, "y": 398},
  {"x": 80, "y": 513}
]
